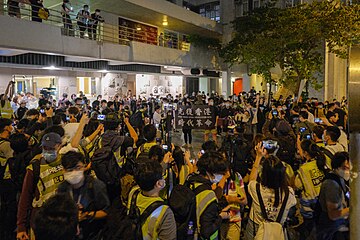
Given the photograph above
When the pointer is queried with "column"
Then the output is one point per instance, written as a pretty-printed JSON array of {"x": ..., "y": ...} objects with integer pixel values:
[
  {"x": 246, "y": 82},
  {"x": 354, "y": 116},
  {"x": 226, "y": 83},
  {"x": 5, "y": 78}
]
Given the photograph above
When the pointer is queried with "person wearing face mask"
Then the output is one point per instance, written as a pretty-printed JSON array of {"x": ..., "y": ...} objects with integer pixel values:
[
  {"x": 161, "y": 222},
  {"x": 43, "y": 176},
  {"x": 334, "y": 199},
  {"x": 212, "y": 168},
  {"x": 272, "y": 188},
  {"x": 89, "y": 194}
]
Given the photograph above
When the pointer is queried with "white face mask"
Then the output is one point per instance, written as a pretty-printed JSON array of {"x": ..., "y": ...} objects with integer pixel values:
[
  {"x": 211, "y": 103},
  {"x": 217, "y": 178},
  {"x": 345, "y": 174},
  {"x": 74, "y": 177}
]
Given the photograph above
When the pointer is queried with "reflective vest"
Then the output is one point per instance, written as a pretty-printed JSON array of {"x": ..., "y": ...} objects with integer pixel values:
[
  {"x": 311, "y": 178},
  {"x": 203, "y": 200},
  {"x": 51, "y": 175},
  {"x": 119, "y": 159},
  {"x": 6, "y": 110},
  {"x": 152, "y": 223},
  {"x": 4, "y": 162},
  {"x": 184, "y": 173}
]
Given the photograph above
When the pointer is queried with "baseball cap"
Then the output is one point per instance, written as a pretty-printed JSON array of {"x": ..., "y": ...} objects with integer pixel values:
[{"x": 51, "y": 140}]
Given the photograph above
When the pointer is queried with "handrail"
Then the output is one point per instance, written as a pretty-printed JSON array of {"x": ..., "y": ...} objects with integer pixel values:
[{"x": 102, "y": 32}]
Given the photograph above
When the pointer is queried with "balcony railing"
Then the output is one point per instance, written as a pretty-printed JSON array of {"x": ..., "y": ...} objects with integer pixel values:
[{"x": 101, "y": 32}]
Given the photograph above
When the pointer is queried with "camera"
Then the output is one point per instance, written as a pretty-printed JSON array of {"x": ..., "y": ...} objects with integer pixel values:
[
  {"x": 302, "y": 129},
  {"x": 274, "y": 113}
]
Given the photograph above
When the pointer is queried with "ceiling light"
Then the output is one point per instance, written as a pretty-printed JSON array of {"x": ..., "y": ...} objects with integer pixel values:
[
  {"x": 103, "y": 71},
  {"x": 138, "y": 28},
  {"x": 52, "y": 67},
  {"x": 165, "y": 23},
  {"x": 165, "y": 67}
]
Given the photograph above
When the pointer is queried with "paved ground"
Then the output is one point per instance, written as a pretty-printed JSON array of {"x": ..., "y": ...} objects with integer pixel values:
[{"x": 197, "y": 141}]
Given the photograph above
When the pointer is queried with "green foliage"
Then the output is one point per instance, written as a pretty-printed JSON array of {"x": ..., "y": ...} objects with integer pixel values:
[
  {"x": 293, "y": 38},
  {"x": 205, "y": 42}
]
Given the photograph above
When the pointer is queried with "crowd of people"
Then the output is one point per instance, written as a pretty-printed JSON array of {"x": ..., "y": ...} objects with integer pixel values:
[{"x": 107, "y": 169}]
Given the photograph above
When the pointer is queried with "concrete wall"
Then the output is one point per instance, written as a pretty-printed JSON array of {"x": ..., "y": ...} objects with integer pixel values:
[{"x": 34, "y": 37}]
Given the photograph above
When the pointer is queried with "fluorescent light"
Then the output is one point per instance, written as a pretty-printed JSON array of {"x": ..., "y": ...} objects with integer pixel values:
[
  {"x": 52, "y": 67},
  {"x": 138, "y": 28},
  {"x": 165, "y": 67},
  {"x": 103, "y": 71}
]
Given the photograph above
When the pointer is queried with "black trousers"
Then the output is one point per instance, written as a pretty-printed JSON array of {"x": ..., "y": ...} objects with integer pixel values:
[
  {"x": 187, "y": 135},
  {"x": 92, "y": 31},
  {"x": 82, "y": 28}
]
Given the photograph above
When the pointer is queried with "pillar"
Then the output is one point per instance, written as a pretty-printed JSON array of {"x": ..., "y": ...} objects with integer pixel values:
[
  {"x": 354, "y": 116},
  {"x": 204, "y": 84},
  {"x": 226, "y": 83}
]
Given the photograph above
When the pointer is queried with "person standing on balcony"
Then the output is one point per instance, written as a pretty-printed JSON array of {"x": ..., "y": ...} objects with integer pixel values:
[
  {"x": 93, "y": 23},
  {"x": 35, "y": 7},
  {"x": 14, "y": 8},
  {"x": 65, "y": 12},
  {"x": 82, "y": 20}
]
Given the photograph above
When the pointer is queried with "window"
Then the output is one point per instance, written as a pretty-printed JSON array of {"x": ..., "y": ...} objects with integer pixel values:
[{"x": 210, "y": 10}]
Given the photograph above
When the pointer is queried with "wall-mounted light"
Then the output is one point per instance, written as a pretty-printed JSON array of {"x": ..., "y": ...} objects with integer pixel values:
[{"x": 165, "y": 21}]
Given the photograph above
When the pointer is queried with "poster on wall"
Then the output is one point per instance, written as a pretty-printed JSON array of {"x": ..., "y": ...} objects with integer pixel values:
[
  {"x": 195, "y": 117},
  {"x": 158, "y": 85}
]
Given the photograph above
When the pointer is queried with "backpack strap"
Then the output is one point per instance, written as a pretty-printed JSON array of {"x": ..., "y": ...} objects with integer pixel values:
[
  {"x": 327, "y": 153},
  {"x": 262, "y": 206},
  {"x": 149, "y": 210},
  {"x": 283, "y": 205},
  {"x": 336, "y": 178},
  {"x": 261, "y": 202},
  {"x": 36, "y": 173}
]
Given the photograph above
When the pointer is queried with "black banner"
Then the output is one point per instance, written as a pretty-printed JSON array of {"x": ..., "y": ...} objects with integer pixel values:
[{"x": 195, "y": 117}]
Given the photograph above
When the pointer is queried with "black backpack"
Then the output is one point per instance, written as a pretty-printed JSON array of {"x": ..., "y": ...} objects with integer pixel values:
[
  {"x": 129, "y": 226},
  {"x": 182, "y": 201},
  {"x": 317, "y": 206},
  {"x": 136, "y": 120},
  {"x": 106, "y": 168}
]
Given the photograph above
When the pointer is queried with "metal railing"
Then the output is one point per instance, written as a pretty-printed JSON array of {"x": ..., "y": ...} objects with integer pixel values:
[{"x": 102, "y": 32}]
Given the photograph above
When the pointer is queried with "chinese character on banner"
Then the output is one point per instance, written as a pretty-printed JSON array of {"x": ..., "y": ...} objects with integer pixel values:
[
  {"x": 207, "y": 111},
  {"x": 199, "y": 123},
  {"x": 189, "y": 112},
  {"x": 181, "y": 122},
  {"x": 208, "y": 123},
  {"x": 198, "y": 111},
  {"x": 190, "y": 123},
  {"x": 181, "y": 111}
]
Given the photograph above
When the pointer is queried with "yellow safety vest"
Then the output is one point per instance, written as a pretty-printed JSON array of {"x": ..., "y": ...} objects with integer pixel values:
[
  {"x": 311, "y": 178},
  {"x": 328, "y": 160},
  {"x": 6, "y": 110},
  {"x": 203, "y": 200},
  {"x": 51, "y": 175},
  {"x": 184, "y": 173},
  {"x": 152, "y": 223}
]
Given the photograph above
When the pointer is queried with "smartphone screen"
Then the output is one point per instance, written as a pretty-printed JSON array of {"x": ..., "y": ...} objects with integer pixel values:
[{"x": 101, "y": 117}]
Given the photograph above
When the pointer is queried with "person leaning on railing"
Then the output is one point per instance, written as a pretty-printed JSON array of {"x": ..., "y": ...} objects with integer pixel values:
[
  {"x": 95, "y": 18},
  {"x": 65, "y": 12}
]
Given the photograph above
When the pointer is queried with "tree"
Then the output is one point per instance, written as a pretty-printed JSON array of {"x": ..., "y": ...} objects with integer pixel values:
[{"x": 293, "y": 39}]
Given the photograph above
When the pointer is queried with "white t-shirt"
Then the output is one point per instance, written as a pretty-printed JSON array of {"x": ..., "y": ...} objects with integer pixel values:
[
  {"x": 335, "y": 148},
  {"x": 268, "y": 197}
]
